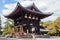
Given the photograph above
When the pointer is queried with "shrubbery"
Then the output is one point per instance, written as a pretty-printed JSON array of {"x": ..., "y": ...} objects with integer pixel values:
[{"x": 54, "y": 27}]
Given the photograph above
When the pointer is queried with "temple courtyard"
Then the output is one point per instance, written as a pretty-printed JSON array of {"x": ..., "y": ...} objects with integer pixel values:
[{"x": 51, "y": 38}]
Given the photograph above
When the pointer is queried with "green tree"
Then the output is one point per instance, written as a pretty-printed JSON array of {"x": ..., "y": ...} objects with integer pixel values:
[
  {"x": 47, "y": 23},
  {"x": 56, "y": 28},
  {"x": 7, "y": 30}
]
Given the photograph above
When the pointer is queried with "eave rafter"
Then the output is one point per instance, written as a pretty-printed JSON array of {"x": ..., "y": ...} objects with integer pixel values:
[{"x": 20, "y": 8}]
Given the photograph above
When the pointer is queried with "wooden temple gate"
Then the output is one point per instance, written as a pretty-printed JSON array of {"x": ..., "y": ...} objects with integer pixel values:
[
  {"x": 27, "y": 23},
  {"x": 27, "y": 20}
]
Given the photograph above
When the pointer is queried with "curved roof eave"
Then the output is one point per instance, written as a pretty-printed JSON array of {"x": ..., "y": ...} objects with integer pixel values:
[{"x": 19, "y": 6}]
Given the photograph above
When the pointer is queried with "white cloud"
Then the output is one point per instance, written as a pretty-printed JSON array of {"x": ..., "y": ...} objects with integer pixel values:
[
  {"x": 40, "y": 4},
  {"x": 49, "y": 5},
  {"x": 51, "y": 18},
  {"x": 22, "y": 0},
  {"x": 53, "y": 6},
  {"x": 26, "y": 3},
  {"x": 19, "y": 0},
  {"x": 3, "y": 20},
  {"x": 9, "y": 9}
]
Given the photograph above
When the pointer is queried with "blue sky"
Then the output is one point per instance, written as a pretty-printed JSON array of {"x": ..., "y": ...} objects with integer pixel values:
[
  {"x": 7, "y": 6},
  {"x": 3, "y": 2}
]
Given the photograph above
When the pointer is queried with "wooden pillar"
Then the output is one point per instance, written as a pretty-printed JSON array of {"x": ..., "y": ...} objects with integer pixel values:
[
  {"x": 37, "y": 27},
  {"x": 21, "y": 30}
]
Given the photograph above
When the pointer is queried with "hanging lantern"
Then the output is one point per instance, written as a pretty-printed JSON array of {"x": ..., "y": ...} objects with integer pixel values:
[
  {"x": 25, "y": 15},
  {"x": 36, "y": 18},
  {"x": 30, "y": 17},
  {"x": 33, "y": 17},
  {"x": 31, "y": 24}
]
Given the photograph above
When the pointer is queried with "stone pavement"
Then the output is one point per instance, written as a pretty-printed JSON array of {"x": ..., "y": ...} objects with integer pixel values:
[{"x": 52, "y": 38}]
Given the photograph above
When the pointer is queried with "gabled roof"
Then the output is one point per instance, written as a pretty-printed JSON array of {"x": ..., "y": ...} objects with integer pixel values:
[{"x": 31, "y": 9}]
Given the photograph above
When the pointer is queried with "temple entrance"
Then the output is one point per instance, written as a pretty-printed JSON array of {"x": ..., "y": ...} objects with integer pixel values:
[
  {"x": 28, "y": 28},
  {"x": 19, "y": 30},
  {"x": 25, "y": 29},
  {"x": 26, "y": 19}
]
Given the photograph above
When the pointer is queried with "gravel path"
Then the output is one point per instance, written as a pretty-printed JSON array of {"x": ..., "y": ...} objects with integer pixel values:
[{"x": 52, "y": 38}]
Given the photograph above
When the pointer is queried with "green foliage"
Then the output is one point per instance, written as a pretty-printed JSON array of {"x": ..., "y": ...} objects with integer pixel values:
[
  {"x": 7, "y": 29},
  {"x": 54, "y": 31},
  {"x": 54, "y": 27},
  {"x": 45, "y": 24},
  {"x": 0, "y": 28}
]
